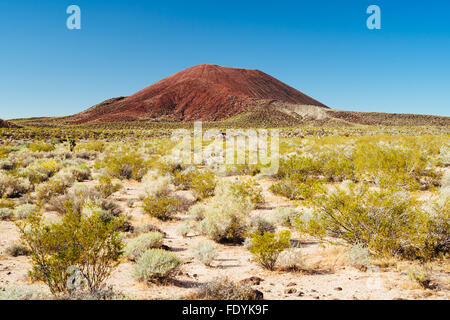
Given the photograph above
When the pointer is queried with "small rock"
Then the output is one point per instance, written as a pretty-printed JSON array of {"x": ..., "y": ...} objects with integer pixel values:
[
  {"x": 301, "y": 294},
  {"x": 338, "y": 289},
  {"x": 291, "y": 284},
  {"x": 290, "y": 290},
  {"x": 254, "y": 281}
]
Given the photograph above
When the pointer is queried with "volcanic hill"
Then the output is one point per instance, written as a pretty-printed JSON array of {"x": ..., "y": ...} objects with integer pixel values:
[{"x": 203, "y": 92}]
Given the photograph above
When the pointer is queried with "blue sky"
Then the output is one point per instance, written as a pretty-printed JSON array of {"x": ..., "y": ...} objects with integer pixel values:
[{"x": 322, "y": 48}]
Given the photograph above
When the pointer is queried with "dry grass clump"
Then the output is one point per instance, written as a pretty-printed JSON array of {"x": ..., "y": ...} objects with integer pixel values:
[
  {"x": 225, "y": 289},
  {"x": 13, "y": 187},
  {"x": 205, "y": 252}
]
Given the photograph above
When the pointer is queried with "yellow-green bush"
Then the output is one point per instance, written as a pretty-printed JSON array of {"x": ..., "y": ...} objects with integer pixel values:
[
  {"x": 387, "y": 222},
  {"x": 41, "y": 147},
  {"x": 163, "y": 207},
  {"x": 82, "y": 241},
  {"x": 125, "y": 164},
  {"x": 267, "y": 247}
]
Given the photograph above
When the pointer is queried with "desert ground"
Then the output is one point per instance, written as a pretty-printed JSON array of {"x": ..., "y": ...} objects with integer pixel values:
[{"x": 364, "y": 182}]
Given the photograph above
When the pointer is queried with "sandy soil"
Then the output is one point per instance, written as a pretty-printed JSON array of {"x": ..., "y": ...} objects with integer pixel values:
[{"x": 331, "y": 277}]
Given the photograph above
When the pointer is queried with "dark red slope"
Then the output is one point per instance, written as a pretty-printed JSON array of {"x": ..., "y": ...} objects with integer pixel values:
[{"x": 203, "y": 92}]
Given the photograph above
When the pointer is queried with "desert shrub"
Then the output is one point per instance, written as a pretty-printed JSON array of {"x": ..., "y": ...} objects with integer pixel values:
[
  {"x": 385, "y": 221},
  {"x": 6, "y": 213},
  {"x": 163, "y": 208},
  {"x": 205, "y": 252},
  {"x": 80, "y": 172},
  {"x": 40, "y": 171},
  {"x": 76, "y": 196},
  {"x": 22, "y": 292},
  {"x": 145, "y": 228},
  {"x": 248, "y": 189},
  {"x": 197, "y": 212},
  {"x": 107, "y": 186},
  {"x": 283, "y": 216},
  {"x": 203, "y": 184},
  {"x": 97, "y": 146},
  {"x": 184, "y": 229},
  {"x": 437, "y": 237},
  {"x": 262, "y": 225},
  {"x": 388, "y": 166},
  {"x": 298, "y": 190},
  {"x": 156, "y": 265},
  {"x": 125, "y": 164},
  {"x": 291, "y": 260},
  {"x": 16, "y": 250},
  {"x": 41, "y": 147},
  {"x": 225, "y": 289},
  {"x": 421, "y": 275},
  {"x": 359, "y": 256},
  {"x": 12, "y": 187},
  {"x": 156, "y": 185},
  {"x": 23, "y": 211},
  {"x": 445, "y": 155},
  {"x": 47, "y": 190},
  {"x": 226, "y": 217},
  {"x": 79, "y": 242},
  {"x": 137, "y": 246},
  {"x": 266, "y": 248}
]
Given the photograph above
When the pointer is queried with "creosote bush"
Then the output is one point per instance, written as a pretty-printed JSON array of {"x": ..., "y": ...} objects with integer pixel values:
[
  {"x": 79, "y": 242},
  {"x": 156, "y": 265},
  {"x": 266, "y": 248},
  {"x": 387, "y": 222},
  {"x": 125, "y": 164},
  {"x": 163, "y": 208}
]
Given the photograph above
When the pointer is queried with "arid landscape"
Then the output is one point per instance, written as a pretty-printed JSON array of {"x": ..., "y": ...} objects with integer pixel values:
[{"x": 104, "y": 205}]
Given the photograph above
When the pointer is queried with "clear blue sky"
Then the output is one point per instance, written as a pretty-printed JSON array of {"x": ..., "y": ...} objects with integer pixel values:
[{"x": 320, "y": 47}]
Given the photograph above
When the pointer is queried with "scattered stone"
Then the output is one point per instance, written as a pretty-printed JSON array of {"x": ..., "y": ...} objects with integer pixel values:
[
  {"x": 301, "y": 294},
  {"x": 290, "y": 290},
  {"x": 338, "y": 289},
  {"x": 291, "y": 284},
  {"x": 254, "y": 281}
]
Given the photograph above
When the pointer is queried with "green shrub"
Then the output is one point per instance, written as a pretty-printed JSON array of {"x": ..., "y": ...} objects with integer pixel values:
[
  {"x": 163, "y": 208},
  {"x": 203, "y": 184},
  {"x": 225, "y": 289},
  {"x": 125, "y": 164},
  {"x": 107, "y": 186},
  {"x": 137, "y": 246},
  {"x": 156, "y": 265},
  {"x": 298, "y": 190},
  {"x": 40, "y": 171},
  {"x": 266, "y": 248},
  {"x": 41, "y": 147},
  {"x": 79, "y": 241},
  {"x": 248, "y": 189},
  {"x": 205, "y": 252},
  {"x": 385, "y": 221}
]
